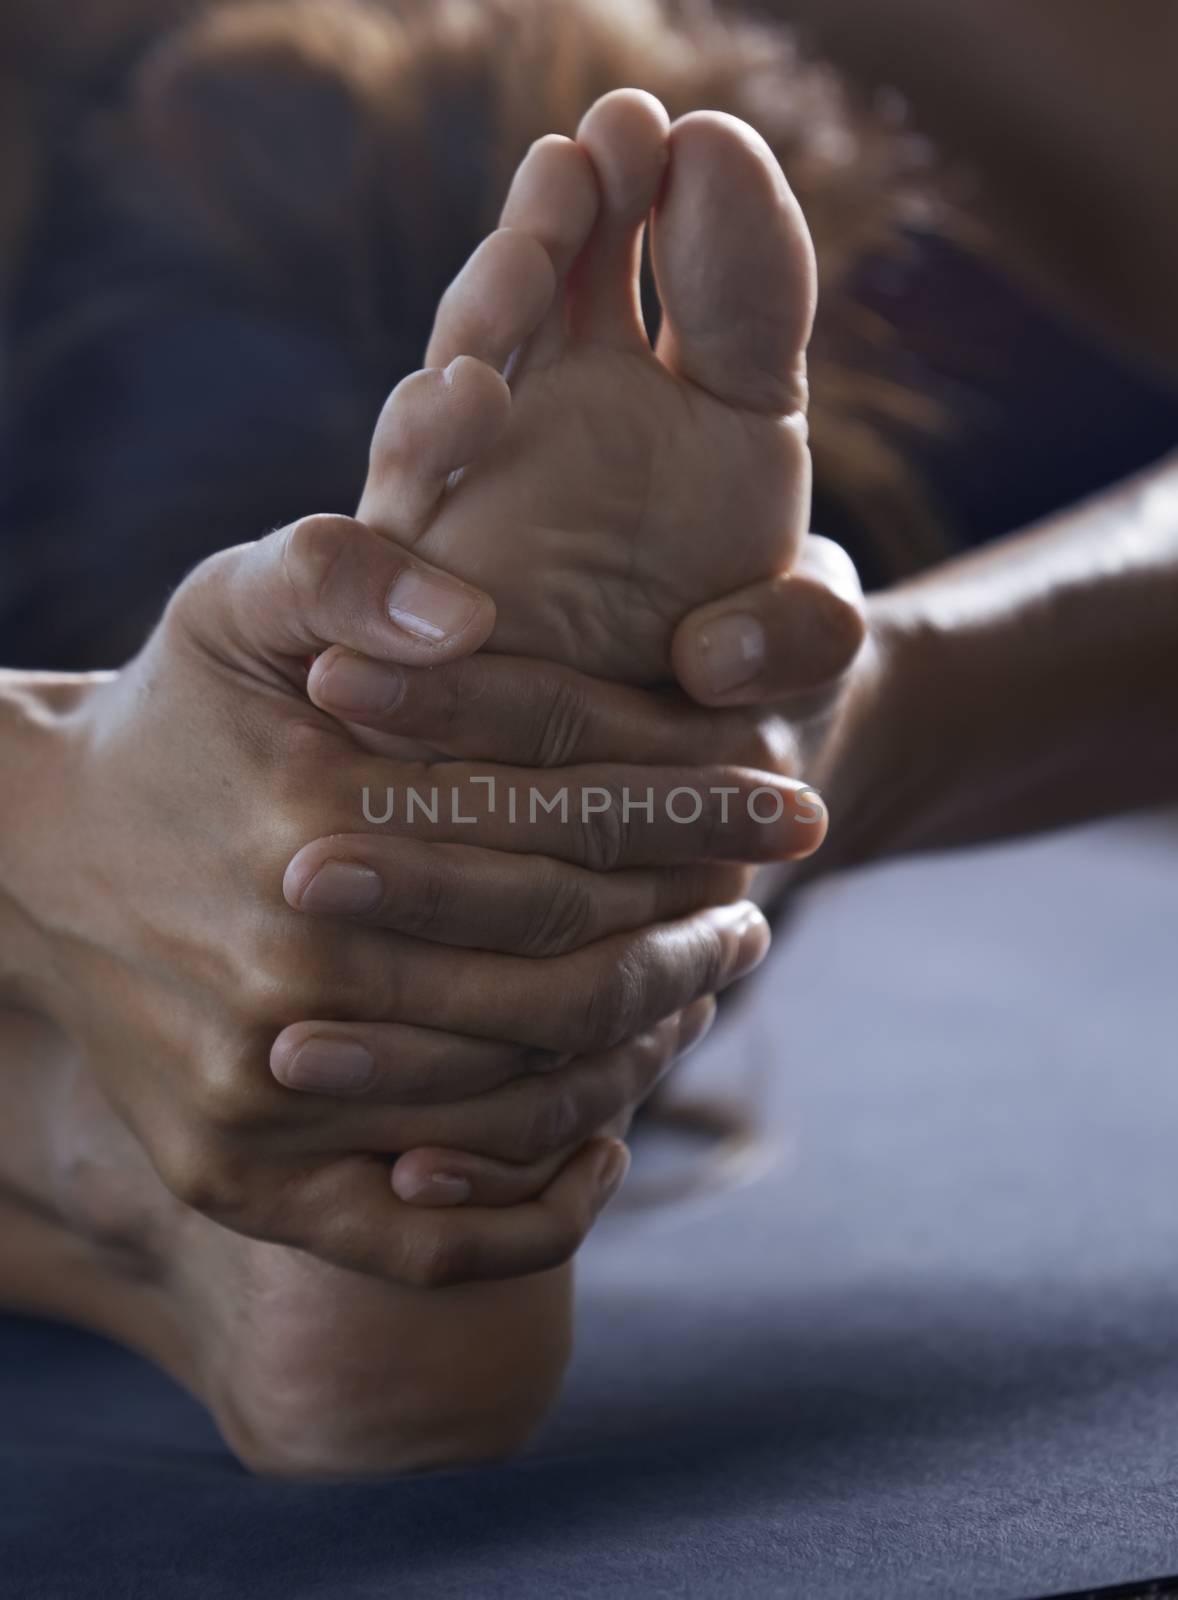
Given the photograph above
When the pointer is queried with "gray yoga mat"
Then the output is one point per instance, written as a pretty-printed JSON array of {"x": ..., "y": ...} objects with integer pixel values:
[{"x": 931, "y": 1349}]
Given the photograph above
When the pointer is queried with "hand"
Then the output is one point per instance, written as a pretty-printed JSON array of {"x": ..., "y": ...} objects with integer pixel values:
[
  {"x": 160, "y": 815},
  {"x": 535, "y": 905}
]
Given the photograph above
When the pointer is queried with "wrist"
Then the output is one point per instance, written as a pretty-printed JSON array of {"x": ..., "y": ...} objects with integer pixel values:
[{"x": 885, "y": 759}]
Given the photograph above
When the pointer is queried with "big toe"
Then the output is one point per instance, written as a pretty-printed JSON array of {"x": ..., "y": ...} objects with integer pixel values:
[{"x": 735, "y": 267}]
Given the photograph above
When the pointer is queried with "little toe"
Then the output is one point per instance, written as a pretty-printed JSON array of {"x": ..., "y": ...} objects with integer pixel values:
[
  {"x": 433, "y": 423},
  {"x": 625, "y": 136},
  {"x": 734, "y": 265}
]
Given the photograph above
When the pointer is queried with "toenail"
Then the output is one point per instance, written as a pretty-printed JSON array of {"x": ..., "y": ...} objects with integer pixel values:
[{"x": 733, "y": 650}]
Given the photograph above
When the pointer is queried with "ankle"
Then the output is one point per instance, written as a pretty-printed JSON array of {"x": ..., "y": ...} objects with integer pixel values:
[{"x": 103, "y": 1185}]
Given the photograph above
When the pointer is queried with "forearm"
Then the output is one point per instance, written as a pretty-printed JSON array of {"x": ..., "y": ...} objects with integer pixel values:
[
  {"x": 1027, "y": 686},
  {"x": 30, "y": 704},
  {"x": 1094, "y": 133}
]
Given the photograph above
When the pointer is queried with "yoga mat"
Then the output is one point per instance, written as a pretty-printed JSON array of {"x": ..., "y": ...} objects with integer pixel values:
[{"x": 932, "y": 1350}]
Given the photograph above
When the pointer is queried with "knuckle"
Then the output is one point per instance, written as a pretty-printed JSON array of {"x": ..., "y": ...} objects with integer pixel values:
[
  {"x": 422, "y": 912},
  {"x": 200, "y": 1174},
  {"x": 310, "y": 553},
  {"x": 653, "y": 1056},
  {"x": 714, "y": 830},
  {"x": 725, "y": 825},
  {"x": 300, "y": 745},
  {"x": 188, "y": 609},
  {"x": 612, "y": 1005},
  {"x": 712, "y": 961},
  {"x": 550, "y": 1123},
  {"x": 605, "y": 834},
  {"x": 295, "y": 828},
  {"x": 562, "y": 724},
  {"x": 219, "y": 1098},
  {"x": 265, "y": 985},
  {"x": 449, "y": 694},
  {"x": 353, "y": 981},
  {"x": 435, "y": 1257},
  {"x": 564, "y": 920},
  {"x": 286, "y": 971},
  {"x": 285, "y": 799}
]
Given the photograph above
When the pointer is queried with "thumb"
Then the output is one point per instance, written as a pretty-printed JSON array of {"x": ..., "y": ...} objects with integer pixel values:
[
  {"x": 788, "y": 635},
  {"x": 328, "y": 580}
]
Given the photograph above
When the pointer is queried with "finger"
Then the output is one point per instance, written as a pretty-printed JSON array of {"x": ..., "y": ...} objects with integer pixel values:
[
  {"x": 588, "y": 1001},
  {"x": 330, "y": 580},
  {"x": 787, "y": 636},
  {"x": 535, "y": 714},
  {"x": 347, "y": 1213},
  {"x": 397, "y": 1062},
  {"x": 487, "y": 900},
  {"x": 529, "y": 1119},
  {"x": 443, "y": 1177},
  {"x": 600, "y": 817}
]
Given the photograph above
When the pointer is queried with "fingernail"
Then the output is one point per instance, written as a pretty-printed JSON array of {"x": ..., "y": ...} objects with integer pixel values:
[
  {"x": 694, "y": 1026},
  {"x": 738, "y": 917},
  {"x": 753, "y": 948},
  {"x": 365, "y": 688},
  {"x": 329, "y": 1066},
  {"x": 811, "y": 811},
  {"x": 751, "y": 932},
  {"x": 342, "y": 889},
  {"x": 433, "y": 1189},
  {"x": 612, "y": 1174},
  {"x": 430, "y": 606},
  {"x": 733, "y": 649},
  {"x": 543, "y": 1061}
]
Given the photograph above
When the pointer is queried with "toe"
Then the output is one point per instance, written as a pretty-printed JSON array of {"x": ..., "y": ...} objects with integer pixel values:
[
  {"x": 553, "y": 199},
  {"x": 433, "y": 423},
  {"x": 496, "y": 302},
  {"x": 734, "y": 265},
  {"x": 625, "y": 136}
]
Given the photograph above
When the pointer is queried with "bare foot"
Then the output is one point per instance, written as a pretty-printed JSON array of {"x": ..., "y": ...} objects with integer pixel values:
[
  {"x": 627, "y": 485},
  {"x": 308, "y": 1369}
]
